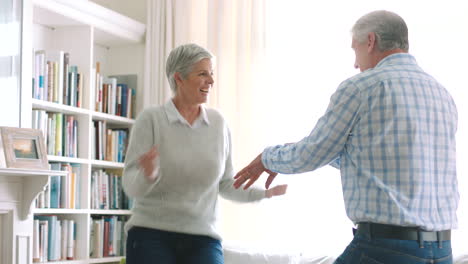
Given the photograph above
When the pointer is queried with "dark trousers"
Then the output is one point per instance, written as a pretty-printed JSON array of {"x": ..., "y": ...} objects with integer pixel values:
[
  {"x": 365, "y": 249},
  {"x": 152, "y": 246}
]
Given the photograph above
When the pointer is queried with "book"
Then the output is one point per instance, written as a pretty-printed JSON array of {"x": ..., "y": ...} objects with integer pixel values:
[
  {"x": 71, "y": 237},
  {"x": 66, "y": 191},
  {"x": 76, "y": 169},
  {"x": 55, "y": 186},
  {"x": 39, "y": 74},
  {"x": 79, "y": 90},
  {"x": 50, "y": 80},
  {"x": 65, "y": 87},
  {"x": 129, "y": 82},
  {"x": 43, "y": 240},
  {"x": 124, "y": 100},
  {"x": 55, "y": 191},
  {"x": 58, "y": 241},
  {"x": 98, "y": 232},
  {"x": 57, "y": 56},
  {"x": 51, "y": 130},
  {"x": 64, "y": 241},
  {"x": 58, "y": 134},
  {"x": 36, "y": 239},
  {"x": 132, "y": 105},
  {"x": 111, "y": 95},
  {"x": 51, "y": 235}
]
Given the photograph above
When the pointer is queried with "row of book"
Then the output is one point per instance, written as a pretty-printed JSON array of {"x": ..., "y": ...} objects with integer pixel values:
[
  {"x": 62, "y": 191},
  {"x": 109, "y": 144},
  {"x": 107, "y": 236},
  {"x": 53, "y": 239},
  {"x": 60, "y": 132},
  {"x": 112, "y": 97},
  {"x": 107, "y": 191},
  {"x": 55, "y": 80}
]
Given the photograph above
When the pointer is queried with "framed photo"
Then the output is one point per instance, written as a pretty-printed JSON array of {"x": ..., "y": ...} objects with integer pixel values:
[{"x": 23, "y": 148}]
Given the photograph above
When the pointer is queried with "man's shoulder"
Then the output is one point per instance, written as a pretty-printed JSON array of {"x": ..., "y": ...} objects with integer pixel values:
[
  {"x": 367, "y": 78},
  {"x": 355, "y": 81}
]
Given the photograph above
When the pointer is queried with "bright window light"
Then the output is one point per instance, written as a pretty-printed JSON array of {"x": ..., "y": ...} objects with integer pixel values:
[
  {"x": 10, "y": 47},
  {"x": 309, "y": 54}
]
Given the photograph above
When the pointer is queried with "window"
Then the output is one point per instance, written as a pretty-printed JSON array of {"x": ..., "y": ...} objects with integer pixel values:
[
  {"x": 10, "y": 29},
  {"x": 308, "y": 55}
]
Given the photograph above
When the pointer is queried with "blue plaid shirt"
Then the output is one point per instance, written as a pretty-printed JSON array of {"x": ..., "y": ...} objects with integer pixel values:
[{"x": 391, "y": 132}]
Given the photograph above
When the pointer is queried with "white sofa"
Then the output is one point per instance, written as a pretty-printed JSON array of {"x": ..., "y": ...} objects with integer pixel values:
[{"x": 237, "y": 255}]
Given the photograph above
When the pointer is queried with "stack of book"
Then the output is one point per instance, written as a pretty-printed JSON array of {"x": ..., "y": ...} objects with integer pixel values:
[
  {"x": 62, "y": 191},
  {"x": 55, "y": 80},
  {"x": 53, "y": 239},
  {"x": 112, "y": 97},
  {"x": 60, "y": 132},
  {"x": 107, "y": 236},
  {"x": 109, "y": 144},
  {"x": 107, "y": 191}
]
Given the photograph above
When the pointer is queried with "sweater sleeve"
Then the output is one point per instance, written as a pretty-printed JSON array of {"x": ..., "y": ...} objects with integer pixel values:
[
  {"x": 226, "y": 188},
  {"x": 142, "y": 139}
]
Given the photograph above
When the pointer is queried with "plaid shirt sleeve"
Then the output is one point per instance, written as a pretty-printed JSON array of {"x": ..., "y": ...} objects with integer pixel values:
[{"x": 326, "y": 141}]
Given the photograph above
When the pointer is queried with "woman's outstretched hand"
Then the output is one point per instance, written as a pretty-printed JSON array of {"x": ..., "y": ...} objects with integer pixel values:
[
  {"x": 276, "y": 191},
  {"x": 148, "y": 163}
]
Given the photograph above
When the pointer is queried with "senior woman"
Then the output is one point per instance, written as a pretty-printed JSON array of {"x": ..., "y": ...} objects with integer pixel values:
[{"x": 178, "y": 161}]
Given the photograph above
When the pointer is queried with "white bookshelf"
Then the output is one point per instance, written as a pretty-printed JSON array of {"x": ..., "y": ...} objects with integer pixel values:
[
  {"x": 89, "y": 33},
  {"x": 33, "y": 181},
  {"x": 18, "y": 189}
]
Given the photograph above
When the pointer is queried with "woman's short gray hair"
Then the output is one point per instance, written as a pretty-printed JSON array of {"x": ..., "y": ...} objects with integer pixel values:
[
  {"x": 390, "y": 30},
  {"x": 181, "y": 59}
]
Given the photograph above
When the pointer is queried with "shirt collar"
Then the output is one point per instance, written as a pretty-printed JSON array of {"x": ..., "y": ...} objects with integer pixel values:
[
  {"x": 397, "y": 59},
  {"x": 173, "y": 114}
]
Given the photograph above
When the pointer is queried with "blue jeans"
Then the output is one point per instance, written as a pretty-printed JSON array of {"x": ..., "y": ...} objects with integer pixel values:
[
  {"x": 152, "y": 246},
  {"x": 366, "y": 250}
]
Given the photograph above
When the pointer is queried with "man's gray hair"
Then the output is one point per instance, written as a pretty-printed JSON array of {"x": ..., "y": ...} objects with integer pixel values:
[
  {"x": 390, "y": 30},
  {"x": 182, "y": 59}
]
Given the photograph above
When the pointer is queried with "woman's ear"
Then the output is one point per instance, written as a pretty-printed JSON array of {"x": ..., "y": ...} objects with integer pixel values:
[{"x": 177, "y": 78}]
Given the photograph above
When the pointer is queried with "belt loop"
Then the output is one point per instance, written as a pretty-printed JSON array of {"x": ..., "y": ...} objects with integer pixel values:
[
  {"x": 420, "y": 239},
  {"x": 439, "y": 238}
]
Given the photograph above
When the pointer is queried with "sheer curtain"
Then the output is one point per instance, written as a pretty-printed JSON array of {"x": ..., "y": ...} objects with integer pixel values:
[{"x": 234, "y": 30}]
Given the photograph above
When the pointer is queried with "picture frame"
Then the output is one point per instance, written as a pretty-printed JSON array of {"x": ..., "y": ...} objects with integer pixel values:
[{"x": 22, "y": 148}]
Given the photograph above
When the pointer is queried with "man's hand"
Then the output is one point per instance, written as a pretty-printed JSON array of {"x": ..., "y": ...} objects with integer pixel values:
[{"x": 252, "y": 172}]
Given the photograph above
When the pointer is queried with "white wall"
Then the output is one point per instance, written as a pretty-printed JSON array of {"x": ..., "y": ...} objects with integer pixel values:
[
  {"x": 135, "y": 9},
  {"x": 1, "y": 235}
]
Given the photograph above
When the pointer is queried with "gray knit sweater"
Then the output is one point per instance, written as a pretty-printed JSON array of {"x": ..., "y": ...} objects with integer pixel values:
[{"x": 194, "y": 167}]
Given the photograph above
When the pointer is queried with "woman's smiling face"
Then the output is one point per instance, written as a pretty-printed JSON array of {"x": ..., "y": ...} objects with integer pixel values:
[{"x": 198, "y": 83}]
